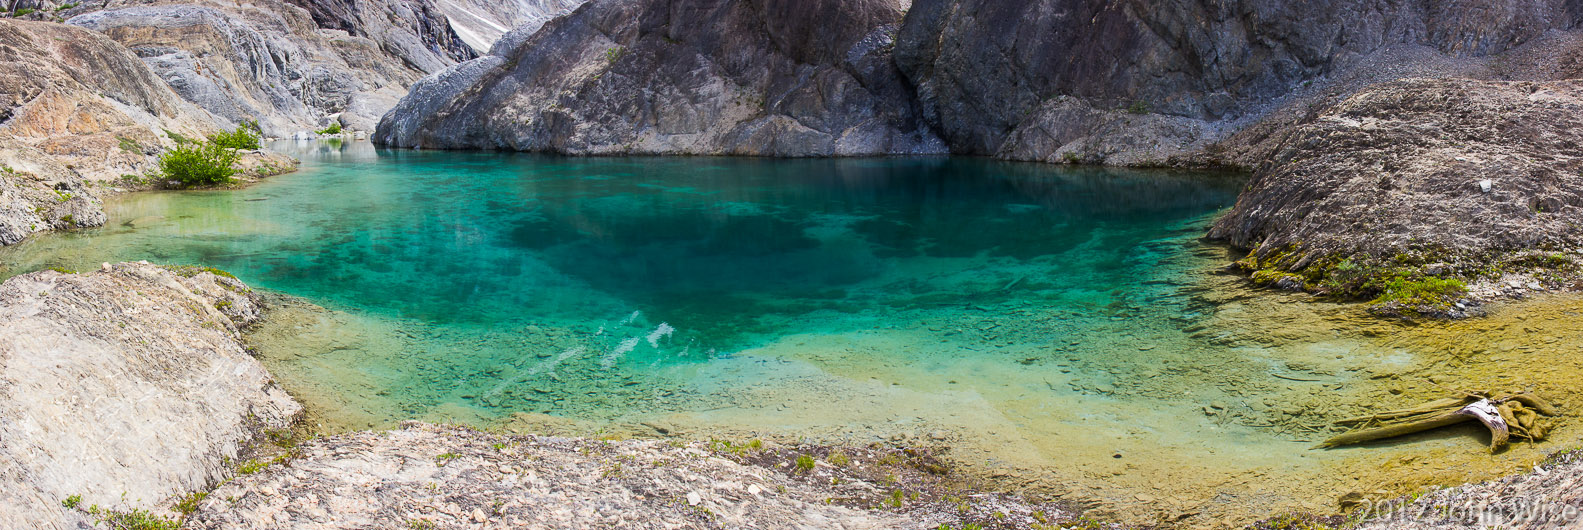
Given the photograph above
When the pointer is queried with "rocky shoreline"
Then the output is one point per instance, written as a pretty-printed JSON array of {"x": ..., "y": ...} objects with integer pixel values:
[{"x": 224, "y": 454}]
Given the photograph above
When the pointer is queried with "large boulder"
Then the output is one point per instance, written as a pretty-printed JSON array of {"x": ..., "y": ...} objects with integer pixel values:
[
  {"x": 776, "y": 78},
  {"x": 1403, "y": 167},
  {"x": 127, "y": 387}
]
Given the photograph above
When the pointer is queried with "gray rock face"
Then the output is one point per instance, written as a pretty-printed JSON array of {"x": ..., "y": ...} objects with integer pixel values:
[
  {"x": 416, "y": 31},
  {"x": 1397, "y": 167},
  {"x": 263, "y": 61},
  {"x": 1036, "y": 80},
  {"x": 480, "y": 23},
  {"x": 778, "y": 78},
  {"x": 129, "y": 381}
]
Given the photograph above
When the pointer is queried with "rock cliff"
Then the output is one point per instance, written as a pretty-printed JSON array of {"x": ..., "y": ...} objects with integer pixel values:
[
  {"x": 267, "y": 61},
  {"x": 1133, "y": 82},
  {"x": 416, "y": 31},
  {"x": 126, "y": 387},
  {"x": 776, "y": 78}
]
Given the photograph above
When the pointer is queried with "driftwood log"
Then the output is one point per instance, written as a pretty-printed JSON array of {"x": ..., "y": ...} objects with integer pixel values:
[{"x": 1510, "y": 416}]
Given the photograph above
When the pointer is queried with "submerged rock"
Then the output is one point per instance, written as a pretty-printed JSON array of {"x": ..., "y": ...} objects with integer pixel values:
[
  {"x": 679, "y": 77},
  {"x": 126, "y": 387}
]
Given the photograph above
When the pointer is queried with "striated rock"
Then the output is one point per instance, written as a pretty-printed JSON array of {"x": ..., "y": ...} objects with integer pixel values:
[
  {"x": 1398, "y": 167},
  {"x": 126, "y": 386},
  {"x": 1136, "y": 82},
  {"x": 265, "y": 61},
  {"x": 480, "y": 23},
  {"x": 418, "y": 32},
  {"x": 777, "y": 78}
]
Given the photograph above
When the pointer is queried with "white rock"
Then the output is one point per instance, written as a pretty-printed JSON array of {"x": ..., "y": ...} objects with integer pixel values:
[
  {"x": 754, "y": 489},
  {"x": 1486, "y": 185},
  {"x": 478, "y": 515},
  {"x": 693, "y": 499}
]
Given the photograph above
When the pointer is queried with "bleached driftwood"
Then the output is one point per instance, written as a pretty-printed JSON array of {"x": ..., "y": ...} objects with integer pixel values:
[{"x": 1515, "y": 415}]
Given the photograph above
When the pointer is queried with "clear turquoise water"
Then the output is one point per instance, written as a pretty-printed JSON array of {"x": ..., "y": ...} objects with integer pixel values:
[{"x": 499, "y": 270}]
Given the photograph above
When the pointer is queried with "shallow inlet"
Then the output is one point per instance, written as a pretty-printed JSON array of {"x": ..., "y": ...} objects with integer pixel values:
[{"x": 1061, "y": 329}]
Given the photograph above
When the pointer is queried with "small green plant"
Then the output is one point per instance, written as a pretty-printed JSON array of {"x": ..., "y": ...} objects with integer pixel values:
[
  {"x": 965, "y": 526},
  {"x": 1138, "y": 107},
  {"x": 129, "y": 145},
  {"x": 1430, "y": 291},
  {"x": 445, "y": 458},
  {"x": 895, "y": 500},
  {"x": 23, "y": 12},
  {"x": 614, "y": 54},
  {"x": 193, "y": 164},
  {"x": 838, "y": 459},
  {"x": 805, "y": 463},
  {"x": 244, "y": 137},
  {"x": 177, "y": 137},
  {"x": 65, "y": 6},
  {"x": 421, "y": 524},
  {"x": 63, "y": 195},
  {"x": 334, "y": 128},
  {"x": 252, "y": 466},
  {"x": 72, "y": 502},
  {"x": 137, "y": 519},
  {"x": 69, "y": 220},
  {"x": 189, "y": 503},
  {"x": 63, "y": 270}
]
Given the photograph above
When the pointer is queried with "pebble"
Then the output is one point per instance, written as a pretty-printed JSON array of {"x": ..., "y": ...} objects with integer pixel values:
[
  {"x": 478, "y": 515},
  {"x": 693, "y": 498},
  {"x": 753, "y": 489},
  {"x": 267, "y": 491}
]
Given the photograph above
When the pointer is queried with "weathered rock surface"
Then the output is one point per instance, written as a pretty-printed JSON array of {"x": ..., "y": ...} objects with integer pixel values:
[
  {"x": 479, "y": 23},
  {"x": 127, "y": 386},
  {"x": 268, "y": 61},
  {"x": 777, "y": 78},
  {"x": 75, "y": 109},
  {"x": 428, "y": 476},
  {"x": 1137, "y": 82},
  {"x": 416, "y": 31},
  {"x": 1400, "y": 166}
]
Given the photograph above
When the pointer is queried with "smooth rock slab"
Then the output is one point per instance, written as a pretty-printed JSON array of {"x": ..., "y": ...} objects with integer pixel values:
[{"x": 127, "y": 386}]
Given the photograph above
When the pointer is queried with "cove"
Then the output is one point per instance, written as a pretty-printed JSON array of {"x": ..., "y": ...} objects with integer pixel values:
[{"x": 1061, "y": 326}]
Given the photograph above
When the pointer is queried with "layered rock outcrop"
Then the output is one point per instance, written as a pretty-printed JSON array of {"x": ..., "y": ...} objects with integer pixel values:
[
  {"x": 127, "y": 387},
  {"x": 269, "y": 62},
  {"x": 75, "y": 109},
  {"x": 1136, "y": 82},
  {"x": 416, "y": 31},
  {"x": 777, "y": 78}
]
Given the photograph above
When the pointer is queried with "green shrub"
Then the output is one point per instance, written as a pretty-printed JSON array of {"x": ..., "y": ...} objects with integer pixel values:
[
  {"x": 334, "y": 128},
  {"x": 204, "y": 164},
  {"x": 244, "y": 137},
  {"x": 1430, "y": 291}
]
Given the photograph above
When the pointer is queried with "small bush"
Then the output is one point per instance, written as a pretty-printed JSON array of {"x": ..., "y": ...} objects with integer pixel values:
[
  {"x": 244, "y": 137},
  {"x": 1429, "y": 291},
  {"x": 805, "y": 463},
  {"x": 204, "y": 164},
  {"x": 1138, "y": 107},
  {"x": 334, "y": 128}
]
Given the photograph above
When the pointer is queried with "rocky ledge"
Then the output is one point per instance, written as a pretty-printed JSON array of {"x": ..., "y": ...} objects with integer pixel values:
[
  {"x": 1431, "y": 193},
  {"x": 127, "y": 397},
  {"x": 125, "y": 388}
]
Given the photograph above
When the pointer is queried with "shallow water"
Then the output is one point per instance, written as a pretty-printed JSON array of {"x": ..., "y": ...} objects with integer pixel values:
[{"x": 1058, "y": 326}]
